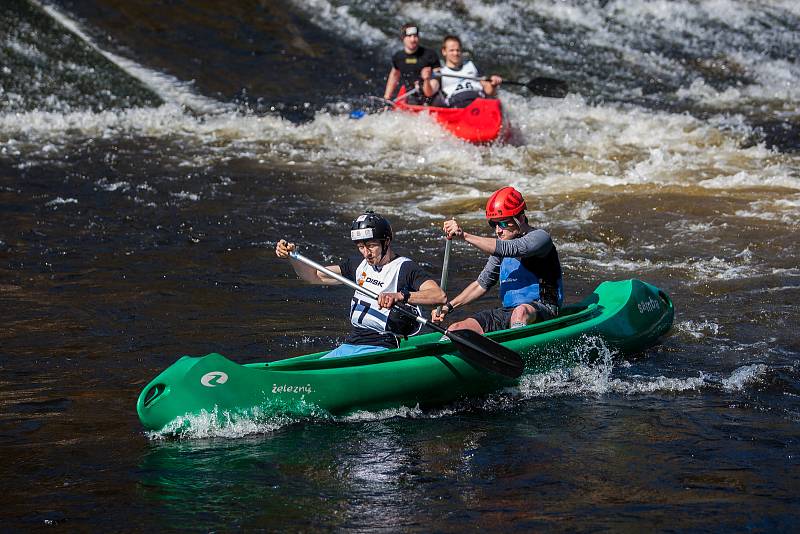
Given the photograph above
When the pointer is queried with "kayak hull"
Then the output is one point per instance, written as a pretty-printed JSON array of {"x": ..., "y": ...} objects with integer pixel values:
[
  {"x": 480, "y": 122},
  {"x": 628, "y": 316}
]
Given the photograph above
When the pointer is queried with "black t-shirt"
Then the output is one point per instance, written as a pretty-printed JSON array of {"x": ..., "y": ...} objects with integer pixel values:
[
  {"x": 411, "y": 277},
  {"x": 411, "y": 65}
]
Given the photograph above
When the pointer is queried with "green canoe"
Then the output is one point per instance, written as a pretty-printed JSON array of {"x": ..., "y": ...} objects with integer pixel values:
[{"x": 628, "y": 315}]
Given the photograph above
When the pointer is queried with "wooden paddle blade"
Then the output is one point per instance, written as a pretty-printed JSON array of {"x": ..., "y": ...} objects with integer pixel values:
[
  {"x": 549, "y": 87},
  {"x": 486, "y": 353}
]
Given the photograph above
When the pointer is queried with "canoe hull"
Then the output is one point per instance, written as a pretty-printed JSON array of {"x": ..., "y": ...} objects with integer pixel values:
[
  {"x": 480, "y": 122},
  {"x": 628, "y": 317}
]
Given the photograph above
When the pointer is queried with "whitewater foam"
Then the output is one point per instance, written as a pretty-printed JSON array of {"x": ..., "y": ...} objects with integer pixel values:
[
  {"x": 698, "y": 329},
  {"x": 560, "y": 145},
  {"x": 744, "y": 376},
  {"x": 785, "y": 210},
  {"x": 59, "y": 201}
]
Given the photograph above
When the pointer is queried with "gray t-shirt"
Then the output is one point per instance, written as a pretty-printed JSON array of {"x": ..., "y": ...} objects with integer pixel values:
[{"x": 534, "y": 244}]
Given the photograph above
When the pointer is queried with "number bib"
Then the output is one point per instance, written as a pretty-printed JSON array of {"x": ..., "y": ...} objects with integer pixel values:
[
  {"x": 451, "y": 86},
  {"x": 364, "y": 312}
]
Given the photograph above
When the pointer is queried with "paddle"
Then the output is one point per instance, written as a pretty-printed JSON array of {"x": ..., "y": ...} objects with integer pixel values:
[
  {"x": 445, "y": 263},
  {"x": 359, "y": 113},
  {"x": 541, "y": 86},
  {"x": 476, "y": 349}
]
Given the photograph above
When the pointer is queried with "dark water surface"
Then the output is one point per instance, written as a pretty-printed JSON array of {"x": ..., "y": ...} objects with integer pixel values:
[{"x": 150, "y": 157}]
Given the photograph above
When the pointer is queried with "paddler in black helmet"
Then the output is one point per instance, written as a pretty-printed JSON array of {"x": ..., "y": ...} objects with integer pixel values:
[
  {"x": 378, "y": 268},
  {"x": 412, "y": 67}
]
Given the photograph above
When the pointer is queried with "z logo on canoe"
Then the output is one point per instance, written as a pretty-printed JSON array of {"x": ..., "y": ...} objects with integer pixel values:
[{"x": 214, "y": 379}]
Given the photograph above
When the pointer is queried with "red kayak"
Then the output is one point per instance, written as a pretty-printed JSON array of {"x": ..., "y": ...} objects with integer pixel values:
[{"x": 480, "y": 122}]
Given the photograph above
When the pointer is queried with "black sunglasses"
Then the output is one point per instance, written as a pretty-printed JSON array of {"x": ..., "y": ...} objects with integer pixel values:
[{"x": 502, "y": 224}]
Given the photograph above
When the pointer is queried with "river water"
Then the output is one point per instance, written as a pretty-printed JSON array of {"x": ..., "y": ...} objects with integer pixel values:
[{"x": 152, "y": 153}]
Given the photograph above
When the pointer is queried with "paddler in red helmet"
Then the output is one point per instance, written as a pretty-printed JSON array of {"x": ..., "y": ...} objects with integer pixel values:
[{"x": 522, "y": 259}]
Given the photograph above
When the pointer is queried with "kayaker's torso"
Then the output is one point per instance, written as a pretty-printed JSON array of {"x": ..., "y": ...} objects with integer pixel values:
[
  {"x": 411, "y": 65},
  {"x": 369, "y": 322},
  {"x": 527, "y": 268},
  {"x": 451, "y": 86}
]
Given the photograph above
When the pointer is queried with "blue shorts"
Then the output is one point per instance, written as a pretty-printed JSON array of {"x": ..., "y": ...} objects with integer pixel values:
[{"x": 346, "y": 349}]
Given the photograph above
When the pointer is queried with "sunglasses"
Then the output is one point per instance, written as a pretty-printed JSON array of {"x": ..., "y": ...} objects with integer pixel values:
[{"x": 502, "y": 224}]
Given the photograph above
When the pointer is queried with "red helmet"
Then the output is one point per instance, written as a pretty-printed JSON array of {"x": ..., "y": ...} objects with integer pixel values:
[{"x": 505, "y": 202}]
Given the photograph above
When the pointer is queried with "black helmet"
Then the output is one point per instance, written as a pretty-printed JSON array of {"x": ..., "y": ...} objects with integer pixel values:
[{"x": 370, "y": 225}]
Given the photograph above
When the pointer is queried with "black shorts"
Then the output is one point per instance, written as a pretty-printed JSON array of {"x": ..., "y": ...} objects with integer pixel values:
[
  {"x": 500, "y": 318},
  {"x": 463, "y": 98}
]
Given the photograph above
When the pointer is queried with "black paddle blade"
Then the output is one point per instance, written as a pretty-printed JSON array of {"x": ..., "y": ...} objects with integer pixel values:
[
  {"x": 549, "y": 87},
  {"x": 486, "y": 353}
]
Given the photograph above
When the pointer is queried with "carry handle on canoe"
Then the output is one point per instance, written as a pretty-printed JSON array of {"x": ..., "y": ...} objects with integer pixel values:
[
  {"x": 475, "y": 348},
  {"x": 541, "y": 85}
]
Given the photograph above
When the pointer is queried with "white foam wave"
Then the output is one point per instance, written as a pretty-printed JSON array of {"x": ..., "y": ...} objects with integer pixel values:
[
  {"x": 687, "y": 24},
  {"x": 699, "y": 329},
  {"x": 582, "y": 146},
  {"x": 584, "y": 247},
  {"x": 771, "y": 176},
  {"x": 585, "y": 147},
  {"x": 30, "y": 52},
  {"x": 596, "y": 379},
  {"x": 776, "y": 89},
  {"x": 59, "y": 201},
  {"x": 594, "y": 376},
  {"x": 207, "y": 424},
  {"x": 184, "y": 195},
  {"x": 742, "y": 265},
  {"x": 113, "y": 186},
  {"x": 785, "y": 210},
  {"x": 402, "y": 412},
  {"x": 343, "y": 22},
  {"x": 744, "y": 376},
  {"x": 721, "y": 269},
  {"x": 223, "y": 424},
  {"x": 783, "y": 288},
  {"x": 690, "y": 228},
  {"x": 618, "y": 264}
]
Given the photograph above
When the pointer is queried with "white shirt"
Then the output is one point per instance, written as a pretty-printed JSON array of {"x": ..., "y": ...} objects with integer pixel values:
[{"x": 451, "y": 85}]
